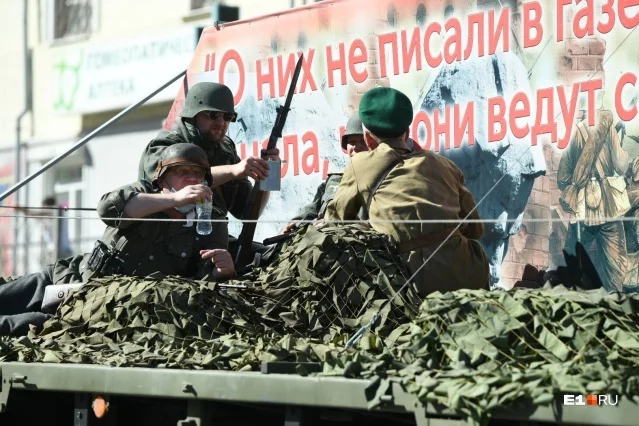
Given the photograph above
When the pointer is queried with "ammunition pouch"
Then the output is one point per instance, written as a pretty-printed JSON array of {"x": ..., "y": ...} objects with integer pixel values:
[
  {"x": 618, "y": 202},
  {"x": 104, "y": 261},
  {"x": 593, "y": 193}
]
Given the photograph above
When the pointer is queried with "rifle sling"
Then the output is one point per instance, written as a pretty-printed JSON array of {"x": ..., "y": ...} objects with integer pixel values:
[{"x": 365, "y": 210}]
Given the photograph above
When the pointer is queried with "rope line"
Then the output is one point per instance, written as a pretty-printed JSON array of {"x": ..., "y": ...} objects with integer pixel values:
[{"x": 409, "y": 221}]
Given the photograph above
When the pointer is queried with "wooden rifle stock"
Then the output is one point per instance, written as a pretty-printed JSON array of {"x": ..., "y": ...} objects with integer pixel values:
[{"x": 244, "y": 254}]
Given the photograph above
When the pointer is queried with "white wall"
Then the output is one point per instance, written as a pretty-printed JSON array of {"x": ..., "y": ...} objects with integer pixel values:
[{"x": 115, "y": 156}]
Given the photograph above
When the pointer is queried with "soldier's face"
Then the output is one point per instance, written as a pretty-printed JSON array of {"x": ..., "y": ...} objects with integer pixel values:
[
  {"x": 212, "y": 125},
  {"x": 355, "y": 144},
  {"x": 179, "y": 177}
]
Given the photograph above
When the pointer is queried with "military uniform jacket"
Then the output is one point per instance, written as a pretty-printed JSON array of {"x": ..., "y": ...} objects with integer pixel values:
[
  {"x": 578, "y": 165},
  {"x": 229, "y": 197},
  {"x": 324, "y": 195},
  {"x": 146, "y": 246},
  {"x": 425, "y": 186}
]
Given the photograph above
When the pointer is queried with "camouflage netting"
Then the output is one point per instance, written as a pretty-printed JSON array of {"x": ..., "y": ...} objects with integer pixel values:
[
  {"x": 477, "y": 351},
  {"x": 471, "y": 351},
  {"x": 325, "y": 284}
]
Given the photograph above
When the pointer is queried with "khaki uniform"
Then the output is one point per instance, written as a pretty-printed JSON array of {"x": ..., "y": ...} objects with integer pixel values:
[
  {"x": 229, "y": 197},
  {"x": 145, "y": 247},
  {"x": 424, "y": 187},
  {"x": 577, "y": 170},
  {"x": 632, "y": 228}
]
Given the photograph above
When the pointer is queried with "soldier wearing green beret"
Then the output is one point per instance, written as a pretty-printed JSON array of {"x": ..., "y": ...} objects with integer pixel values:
[
  {"x": 352, "y": 142},
  {"x": 391, "y": 183},
  {"x": 204, "y": 121},
  {"x": 130, "y": 247}
]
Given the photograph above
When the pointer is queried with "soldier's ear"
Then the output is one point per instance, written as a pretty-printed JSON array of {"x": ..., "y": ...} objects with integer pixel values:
[
  {"x": 162, "y": 184},
  {"x": 406, "y": 134},
  {"x": 371, "y": 143}
]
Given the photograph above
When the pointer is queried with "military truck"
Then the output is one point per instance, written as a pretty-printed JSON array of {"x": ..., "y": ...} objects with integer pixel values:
[
  {"x": 274, "y": 346},
  {"x": 67, "y": 394}
]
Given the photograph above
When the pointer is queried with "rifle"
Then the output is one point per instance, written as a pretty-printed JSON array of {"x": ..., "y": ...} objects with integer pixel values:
[
  {"x": 276, "y": 239},
  {"x": 244, "y": 254}
]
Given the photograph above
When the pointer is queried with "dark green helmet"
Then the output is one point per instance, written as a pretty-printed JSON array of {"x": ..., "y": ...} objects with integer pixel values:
[
  {"x": 207, "y": 96},
  {"x": 353, "y": 127},
  {"x": 183, "y": 154}
]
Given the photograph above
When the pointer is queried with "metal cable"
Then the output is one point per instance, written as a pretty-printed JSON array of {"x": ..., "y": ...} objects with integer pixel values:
[{"x": 410, "y": 221}]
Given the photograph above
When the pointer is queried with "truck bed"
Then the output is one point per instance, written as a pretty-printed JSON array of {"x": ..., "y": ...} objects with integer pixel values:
[{"x": 59, "y": 394}]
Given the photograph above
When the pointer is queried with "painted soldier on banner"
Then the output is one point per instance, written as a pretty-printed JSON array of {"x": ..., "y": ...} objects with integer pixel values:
[{"x": 591, "y": 175}]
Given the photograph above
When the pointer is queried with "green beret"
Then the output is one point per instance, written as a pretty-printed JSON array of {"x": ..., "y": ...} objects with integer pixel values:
[{"x": 386, "y": 112}]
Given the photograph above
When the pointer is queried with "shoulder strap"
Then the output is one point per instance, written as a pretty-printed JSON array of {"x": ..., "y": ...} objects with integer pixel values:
[
  {"x": 585, "y": 133},
  {"x": 598, "y": 164},
  {"x": 364, "y": 212}
]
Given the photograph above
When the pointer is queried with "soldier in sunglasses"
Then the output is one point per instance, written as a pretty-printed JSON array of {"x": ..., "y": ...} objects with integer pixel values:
[{"x": 204, "y": 121}]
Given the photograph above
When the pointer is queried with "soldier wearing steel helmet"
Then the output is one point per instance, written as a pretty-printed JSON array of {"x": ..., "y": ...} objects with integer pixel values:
[
  {"x": 135, "y": 248},
  {"x": 394, "y": 185},
  {"x": 352, "y": 142},
  {"x": 204, "y": 121}
]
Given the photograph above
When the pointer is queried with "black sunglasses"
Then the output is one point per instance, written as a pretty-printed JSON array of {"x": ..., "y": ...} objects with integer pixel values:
[{"x": 214, "y": 115}]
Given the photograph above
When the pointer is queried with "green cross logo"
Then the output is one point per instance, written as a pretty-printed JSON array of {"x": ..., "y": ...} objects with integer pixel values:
[{"x": 68, "y": 75}]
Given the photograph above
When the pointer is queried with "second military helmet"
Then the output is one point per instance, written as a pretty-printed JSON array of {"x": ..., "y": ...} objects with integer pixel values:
[
  {"x": 208, "y": 96},
  {"x": 183, "y": 154},
  {"x": 353, "y": 127}
]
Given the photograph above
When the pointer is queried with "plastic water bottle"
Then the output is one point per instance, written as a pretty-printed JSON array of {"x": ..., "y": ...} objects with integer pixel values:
[{"x": 203, "y": 210}]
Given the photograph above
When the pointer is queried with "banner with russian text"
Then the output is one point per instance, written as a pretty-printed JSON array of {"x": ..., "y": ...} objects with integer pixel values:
[{"x": 535, "y": 101}]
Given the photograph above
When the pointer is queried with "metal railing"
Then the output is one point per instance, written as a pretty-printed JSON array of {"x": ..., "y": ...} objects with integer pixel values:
[{"x": 13, "y": 189}]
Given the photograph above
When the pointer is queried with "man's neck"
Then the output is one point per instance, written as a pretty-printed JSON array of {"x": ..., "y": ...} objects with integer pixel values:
[{"x": 397, "y": 144}]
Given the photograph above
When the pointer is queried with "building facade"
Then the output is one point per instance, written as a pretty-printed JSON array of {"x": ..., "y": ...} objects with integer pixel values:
[{"x": 73, "y": 65}]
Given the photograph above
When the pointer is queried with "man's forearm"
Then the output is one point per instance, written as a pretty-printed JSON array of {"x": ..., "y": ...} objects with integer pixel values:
[
  {"x": 222, "y": 174},
  {"x": 143, "y": 205}
]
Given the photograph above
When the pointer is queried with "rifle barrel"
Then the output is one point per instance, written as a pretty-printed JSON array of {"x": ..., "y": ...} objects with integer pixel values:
[{"x": 245, "y": 239}]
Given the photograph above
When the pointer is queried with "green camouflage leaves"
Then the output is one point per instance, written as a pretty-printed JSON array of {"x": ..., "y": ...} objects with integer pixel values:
[
  {"x": 325, "y": 284},
  {"x": 471, "y": 351},
  {"x": 476, "y": 351}
]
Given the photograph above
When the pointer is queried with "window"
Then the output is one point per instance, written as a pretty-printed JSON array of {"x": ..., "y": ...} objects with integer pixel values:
[
  {"x": 70, "y": 230},
  {"x": 67, "y": 183},
  {"x": 68, "y": 19},
  {"x": 219, "y": 12},
  {"x": 67, "y": 175},
  {"x": 201, "y": 4}
]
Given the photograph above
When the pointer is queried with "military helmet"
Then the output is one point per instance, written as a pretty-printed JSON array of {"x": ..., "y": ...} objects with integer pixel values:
[
  {"x": 353, "y": 127},
  {"x": 183, "y": 154},
  {"x": 208, "y": 96}
]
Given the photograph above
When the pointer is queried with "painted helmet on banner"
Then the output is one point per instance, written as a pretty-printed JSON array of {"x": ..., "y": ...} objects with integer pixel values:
[
  {"x": 208, "y": 96},
  {"x": 183, "y": 154}
]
